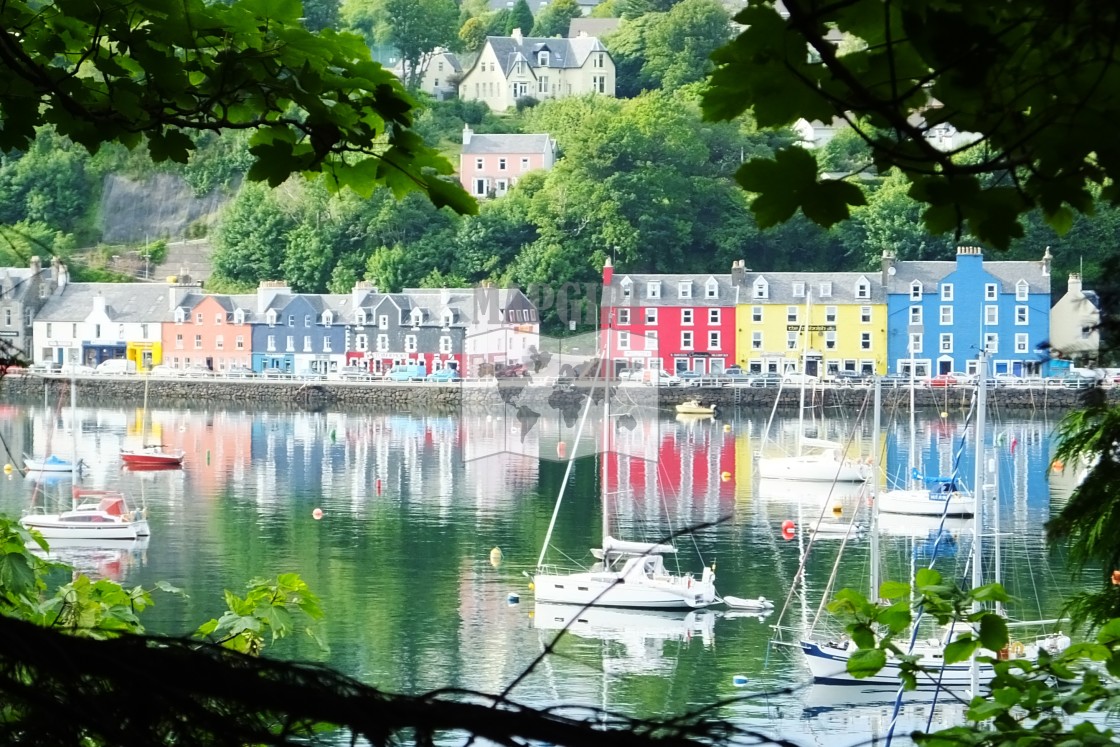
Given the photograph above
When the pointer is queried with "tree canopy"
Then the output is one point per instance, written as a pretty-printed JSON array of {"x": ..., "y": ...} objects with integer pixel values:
[
  {"x": 1031, "y": 81},
  {"x": 148, "y": 71}
]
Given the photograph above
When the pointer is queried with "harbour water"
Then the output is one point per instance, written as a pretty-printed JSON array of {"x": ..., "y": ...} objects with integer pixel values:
[{"x": 413, "y": 504}]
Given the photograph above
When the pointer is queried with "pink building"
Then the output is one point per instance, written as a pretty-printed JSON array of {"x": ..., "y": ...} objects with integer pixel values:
[{"x": 490, "y": 164}]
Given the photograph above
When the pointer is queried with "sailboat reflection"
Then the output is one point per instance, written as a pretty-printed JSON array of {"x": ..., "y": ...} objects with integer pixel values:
[
  {"x": 97, "y": 558},
  {"x": 642, "y": 633}
]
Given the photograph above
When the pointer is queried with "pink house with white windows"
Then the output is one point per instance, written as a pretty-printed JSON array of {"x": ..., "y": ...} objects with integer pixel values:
[{"x": 490, "y": 164}]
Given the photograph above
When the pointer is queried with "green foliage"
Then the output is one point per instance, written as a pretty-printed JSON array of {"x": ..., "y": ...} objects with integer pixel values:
[
  {"x": 320, "y": 14},
  {"x": 607, "y": 9},
  {"x": 417, "y": 27},
  {"x": 219, "y": 162},
  {"x": 522, "y": 17},
  {"x": 155, "y": 252},
  {"x": 49, "y": 184},
  {"x": 268, "y": 612},
  {"x": 679, "y": 43},
  {"x": 250, "y": 240},
  {"x": 556, "y": 17},
  {"x": 316, "y": 102},
  {"x": 1023, "y": 77},
  {"x": 472, "y": 35}
]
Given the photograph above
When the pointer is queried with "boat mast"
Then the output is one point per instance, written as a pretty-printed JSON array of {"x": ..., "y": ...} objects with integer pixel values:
[
  {"x": 804, "y": 371},
  {"x": 74, "y": 462},
  {"x": 874, "y": 487},
  {"x": 605, "y": 372},
  {"x": 978, "y": 492},
  {"x": 913, "y": 427}
]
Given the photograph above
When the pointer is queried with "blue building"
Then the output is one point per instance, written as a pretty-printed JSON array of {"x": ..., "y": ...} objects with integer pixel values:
[
  {"x": 297, "y": 333},
  {"x": 941, "y": 314}
]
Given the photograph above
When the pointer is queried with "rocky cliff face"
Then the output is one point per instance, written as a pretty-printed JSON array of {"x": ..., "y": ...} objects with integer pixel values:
[{"x": 162, "y": 206}]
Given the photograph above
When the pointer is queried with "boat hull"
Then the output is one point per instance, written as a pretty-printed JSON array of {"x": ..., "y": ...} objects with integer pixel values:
[
  {"x": 812, "y": 469},
  {"x": 52, "y": 527},
  {"x": 611, "y": 589},
  {"x": 142, "y": 459},
  {"x": 926, "y": 503},
  {"x": 829, "y": 665},
  {"x": 39, "y": 465}
]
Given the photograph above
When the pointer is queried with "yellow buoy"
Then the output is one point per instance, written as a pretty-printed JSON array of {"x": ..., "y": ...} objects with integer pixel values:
[
  {"x": 496, "y": 557},
  {"x": 944, "y": 414},
  {"x": 725, "y": 476},
  {"x": 531, "y": 587},
  {"x": 727, "y": 427},
  {"x": 8, "y": 469},
  {"x": 837, "y": 509}
]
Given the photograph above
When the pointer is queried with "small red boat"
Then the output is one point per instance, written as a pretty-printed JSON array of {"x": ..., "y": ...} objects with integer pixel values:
[{"x": 151, "y": 457}]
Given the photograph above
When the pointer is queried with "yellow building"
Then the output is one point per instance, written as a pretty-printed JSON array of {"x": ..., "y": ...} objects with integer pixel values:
[{"x": 818, "y": 323}]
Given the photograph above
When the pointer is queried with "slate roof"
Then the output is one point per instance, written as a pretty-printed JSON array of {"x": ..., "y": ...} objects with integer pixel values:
[
  {"x": 505, "y": 143},
  {"x": 124, "y": 302},
  {"x": 780, "y": 288},
  {"x": 14, "y": 284},
  {"x": 562, "y": 53},
  {"x": 727, "y": 293},
  {"x": 931, "y": 273}
]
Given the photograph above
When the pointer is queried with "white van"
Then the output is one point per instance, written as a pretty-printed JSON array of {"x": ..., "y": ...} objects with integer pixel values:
[
  {"x": 660, "y": 377},
  {"x": 116, "y": 366}
]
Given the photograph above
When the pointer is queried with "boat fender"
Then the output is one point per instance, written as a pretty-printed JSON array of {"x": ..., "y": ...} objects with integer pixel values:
[
  {"x": 1017, "y": 648},
  {"x": 954, "y": 495},
  {"x": 689, "y": 582}
]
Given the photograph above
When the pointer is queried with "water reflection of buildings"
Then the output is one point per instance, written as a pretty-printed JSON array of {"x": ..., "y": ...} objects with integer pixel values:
[{"x": 99, "y": 559}]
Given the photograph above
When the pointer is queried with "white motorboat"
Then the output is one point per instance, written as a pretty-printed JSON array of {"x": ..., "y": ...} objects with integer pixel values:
[
  {"x": 97, "y": 514},
  {"x": 761, "y": 604},
  {"x": 52, "y": 463}
]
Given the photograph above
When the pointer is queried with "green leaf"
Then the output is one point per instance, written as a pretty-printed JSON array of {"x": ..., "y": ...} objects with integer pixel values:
[
  {"x": 993, "y": 632},
  {"x": 16, "y": 574},
  {"x": 961, "y": 649},
  {"x": 866, "y": 662},
  {"x": 894, "y": 589}
]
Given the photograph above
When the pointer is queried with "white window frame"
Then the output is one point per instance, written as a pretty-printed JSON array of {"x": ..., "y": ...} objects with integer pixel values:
[
  {"x": 799, "y": 290},
  {"x": 830, "y": 340},
  {"x": 946, "y": 315},
  {"x": 864, "y": 340},
  {"x": 1022, "y": 291},
  {"x": 445, "y": 344},
  {"x": 686, "y": 339},
  {"x": 915, "y": 314},
  {"x": 713, "y": 316},
  {"x": 307, "y": 344},
  {"x": 865, "y": 315},
  {"x": 830, "y": 315},
  {"x": 383, "y": 321},
  {"x": 239, "y": 343},
  {"x": 711, "y": 288},
  {"x": 760, "y": 290},
  {"x": 684, "y": 289},
  {"x": 651, "y": 317},
  {"x": 624, "y": 316},
  {"x": 1022, "y": 342},
  {"x": 756, "y": 341},
  {"x": 1022, "y": 315},
  {"x": 863, "y": 289},
  {"x": 991, "y": 342},
  {"x": 946, "y": 343},
  {"x": 916, "y": 290},
  {"x": 653, "y": 289},
  {"x": 991, "y": 315},
  {"x": 792, "y": 314},
  {"x": 410, "y": 343},
  {"x": 791, "y": 340},
  {"x": 756, "y": 314},
  {"x": 686, "y": 317},
  {"x": 825, "y": 290},
  {"x": 713, "y": 340},
  {"x": 946, "y": 291},
  {"x": 623, "y": 340},
  {"x": 991, "y": 291},
  {"x": 270, "y": 346}
]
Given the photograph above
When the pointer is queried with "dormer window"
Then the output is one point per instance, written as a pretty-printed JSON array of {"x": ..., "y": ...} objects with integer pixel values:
[
  {"x": 826, "y": 289},
  {"x": 627, "y": 289},
  {"x": 328, "y": 318},
  {"x": 417, "y": 317},
  {"x": 916, "y": 290},
  {"x": 760, "y": 289},
  {"x": 270, "y": 317},
  {"x": 863, "y": 288},
  {"x": 448, "y": 318},
  {"x": 799, "y": 290},
  {"x": 239, "y": 316},
  {"x": 180, "y": 315},
  {"x": 684, "y": 289},
  {"x": 1022, "y": 289},
  {"x": 542, "y": 58},
  {"x": 711, "y": 289},
  {"x": 360, "y": 317},
  {"x": 653, "y": 289}
]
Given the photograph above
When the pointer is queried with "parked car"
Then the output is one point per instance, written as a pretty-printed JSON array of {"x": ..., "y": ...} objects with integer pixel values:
[
  {"x": 1077, "y": 381},
  {"x": 195, "y": 371},
  {"x": 275, "y": 373},
  {"x": 116, "y": 366},
  {"x": 736, "y": 377},
  {"x": 1006, "y": 379},
  {"x": 660, "y": 377},
  {"x": 631, "y": 374},
  {"x": 799, "y": 378},
  {"x": 690, "y": 378},
  {"x": 45, "y": 367},
  {"x": 240, "y": 372},
  {"x": 407, "y": 372},
  {"x": 163, "y": 370},
  {"x": 444, "y": 374},
  {"x": 944, "y": 380},
  {"x": 353, "y": 373},
  {"x": 511, "y": 370},
  {"x": 76, "y": 369},
  {"x": 848, "y": 378},
  {"x": 765, "y": 379}
]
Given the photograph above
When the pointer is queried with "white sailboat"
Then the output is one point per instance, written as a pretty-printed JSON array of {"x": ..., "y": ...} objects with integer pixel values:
[
  {"x": 628, "y": 574},
  {"x": 815, "y": 459},
  {"x": 828, "y": 660},
  {"x": 925, "y": 496}
]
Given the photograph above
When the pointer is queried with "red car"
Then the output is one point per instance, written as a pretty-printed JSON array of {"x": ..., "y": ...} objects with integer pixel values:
[{"x": 944, "y": 380}]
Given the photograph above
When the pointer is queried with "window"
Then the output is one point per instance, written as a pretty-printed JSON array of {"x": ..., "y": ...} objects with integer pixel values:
[
  {"x": 623, "y": 340},
  {"x": 761, "y": 289},
  {"x": 991, "y": 315},
  {"x": 826, "y": 289},
  {"x": 597, "y": 61},
  {"x": 479, "y": 164},
  {"x": 684, "y": 289},
  {"x": 1022, "y": 316},
  {"x": 328, "y": 318},
  {"x": 791, "y": 340},
  {"x": 946, "y": 345},
  {"x": 686, "y": 316},
  {"x": 361, "y": 343},
  {"x": 864, "y": 340},
  {"x": 713, "y": 341},
  {"x": 865, "y": 314},
  {"x": 686, "y": 340},
  {"x": 991, "y": 291},
  {"x": 1021, "y": 344},
  {"x": 50, "y": 333},
  {"x": 713, "y": 316},
  {"x": 946, "y": 291},
  {"x": 830, "y": 314},
  {"x": 240, "y": 342},
  {"x": 1022, "y": 290},
  {"x": 756, "y": 341},
  {"x": 791, "y": 314},
  {"x": 542, "y": 58},
  {"x": 383, "y": 343},
  {"x": 651, "y": 316},
  {"x": 946, "y": 314},
  {"x": 410, "y": 343},
  {"x": 916, "y": 291},
  {"x": 653, "y": 289},
  {"x": 360, "y": 317},
  {"x": 863, "y": 289},
  {"x": 307, "y": 344},
  {"x": 445, "y": 344},
  {"x": 524, "y": 164},
  {"x": 799, "y": 290},
  {"x": 480, "y": 187},
  {"x": 624, "y": 316},
  {"x": 383, "y": 321},
  {"x": 326, "y": 344},
  {"x": 542, "y": 84},
  {"x": 179, "y": 342},
  {"x": 915, "y": 342},
  {"x": 627, "y": 287},
  {"x": 271, "y": 347},
  {"x": 599, "y": 83},
  {"x": 991, "y": 342},
  {"x": 219, "y": 318},
  {"x": 915, "y": 314},
  {"x": 307, "y": 320},
  {"x": 711, "y": 290},
  {"x": 830, "y": 340},
  {"x": 290, "y": 344},
  {"x": 291, "y": 320},
  {"x": 97, "y": 331}
]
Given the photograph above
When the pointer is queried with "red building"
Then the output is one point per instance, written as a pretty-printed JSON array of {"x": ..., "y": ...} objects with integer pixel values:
[{"x": 674, "y": 322}]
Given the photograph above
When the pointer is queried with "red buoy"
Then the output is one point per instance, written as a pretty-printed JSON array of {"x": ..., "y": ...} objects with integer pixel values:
[
  {"x": 561, "y": 449},
  {"x": 788, "y": 533},
  {"x": 379, "y": 486}
]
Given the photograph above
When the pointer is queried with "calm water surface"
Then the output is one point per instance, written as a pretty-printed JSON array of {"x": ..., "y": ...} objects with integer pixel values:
[{"x": 412, "y": 506}]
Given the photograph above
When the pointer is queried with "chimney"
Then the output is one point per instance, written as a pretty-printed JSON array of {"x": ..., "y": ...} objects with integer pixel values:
[
  {"x": 608, "y": 273},
  {"x": 63, "y": 276},
  {"x": 1046, "y": 257},
  {"x": 467, "y": 132},
  {"x": 887, "y": 266},
  {"x": 1074, "y": 282},
  {"x": 267, "y": 291},
  {"x": 361, "y": 289},
  {"x": 99, "y": 304},
  {"x": 969, "y": 250},
  {"x": 36, "y": 265},
  {"x": 738, "y": 272},
  {"x": 516, "y": 34},
  {"x": 444, "y": 296}
]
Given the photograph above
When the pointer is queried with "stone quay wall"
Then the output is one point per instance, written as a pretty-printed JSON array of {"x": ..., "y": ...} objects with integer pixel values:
[{"x": 401, "y": 396}]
